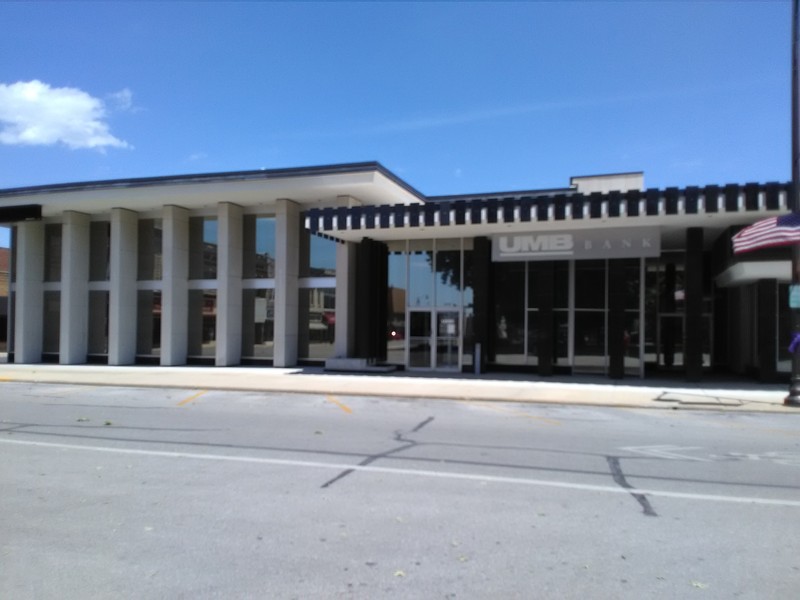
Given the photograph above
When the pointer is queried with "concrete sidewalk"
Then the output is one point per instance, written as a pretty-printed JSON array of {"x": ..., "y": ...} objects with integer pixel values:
[{"x": 578, "y": 390}]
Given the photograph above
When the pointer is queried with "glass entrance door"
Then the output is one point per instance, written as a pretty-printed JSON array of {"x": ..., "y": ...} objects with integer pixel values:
[
  {"x": 434, "y": 339},
  {"x": 420, "y": 339},
  {"x": 447, "y": 340}
]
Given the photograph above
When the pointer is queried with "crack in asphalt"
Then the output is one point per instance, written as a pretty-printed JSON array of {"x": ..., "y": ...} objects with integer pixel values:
[
  {"x": 13, "y": 429},
  {"x": 620, "y": 480},
  {"x": 398, "y": 437}
]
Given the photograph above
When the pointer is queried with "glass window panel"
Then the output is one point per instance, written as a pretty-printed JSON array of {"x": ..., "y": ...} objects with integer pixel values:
[
  {"x": 420, "y": 274},
  {"x": 535, "y": 281},
  {"x": 448, "y": 278},
  {"x": 651, "y": 297},
  {"x": 419, "y": 342},
  {"x": 396, "y": 309},
  {"x": 317, "y": 255},
  {"x": 707, "y": 340},
  {"x": 51, "y": 326},
  {"x": 447, "y": 339},
  {"x": 52, "y": 252},
  {"x": 202, "y": 315},
  {"x": 509, "y": 312},
  {"x": 148, "y": 323},
  {"x": 670, "y": 284},
  {"x": 98, "y": 322},
  {"x": 670, "y": 337},
  {"x": 632, "y": 281},
  {"x": 12, "y": 298},
  {"x": 632, "y": 341},
  {"x": 561, "y": 318},
  {"x": 784, "y": 316},
  {"x": 259, "y": 247},
  {"x": 468, "y": 297},
  {"x": 150, "y": 249},
  {"x": 533, "y": 337},
  {"x": 317, "y": 323},
  {"x": 13, "y": 257},
  {"x": 258, "y": 323},
  {"x": 99, "y": 249},
  {"x": 590, "y": 284},
  {"x": 590, "y": 341},
  {"x": 202, "y": 248},
  {"x": 561, "y": 285}
]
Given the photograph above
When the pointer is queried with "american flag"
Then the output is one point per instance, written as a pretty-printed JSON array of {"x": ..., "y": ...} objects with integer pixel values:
[{"x": 775, "y": 231}]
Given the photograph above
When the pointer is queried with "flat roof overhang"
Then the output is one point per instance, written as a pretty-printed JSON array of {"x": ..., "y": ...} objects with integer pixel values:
[
  {"x": 370, "y": 184},
  {"x": 673, "y": 210},
  {"x": 743, "y": 273}
]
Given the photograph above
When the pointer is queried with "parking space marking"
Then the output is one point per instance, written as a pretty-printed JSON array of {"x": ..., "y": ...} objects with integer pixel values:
[
  {"x": 192, "y": 398},
  {"x": 517, "y": 413},
  {"x": 278, "y": 462},
  {"x": 342, "y": 405}
]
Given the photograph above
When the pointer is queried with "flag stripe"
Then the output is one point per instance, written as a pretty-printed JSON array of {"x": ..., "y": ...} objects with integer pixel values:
[{"x": 768, "y": 233}]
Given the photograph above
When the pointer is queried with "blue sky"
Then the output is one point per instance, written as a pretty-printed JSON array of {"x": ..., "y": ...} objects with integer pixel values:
[{"x": 453, "y": 97}]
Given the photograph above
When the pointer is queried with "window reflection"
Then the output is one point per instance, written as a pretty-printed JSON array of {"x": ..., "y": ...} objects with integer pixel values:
[
  {"x": 468, "y": 303},
  {"x": 420, "y": 274},
  {"x": 396, "y": 308},
  {"x": 98, "y": 322},
  {"x": 258, "y": 323},
  {"x": 258, "y": 254},
  {"x": 317, "y": 255},
  {"x": 52, "y": 252},
  {"x": 99, "y": 250},
  {"x": 51, "y": 325},
  {"x": 509, "y": 313},
  {"x": 150, "y": 244},
  {"x": 202, "y": 248},
  {"x": 448, "y": 273},
  {"x": 317, "y": 312},
  {"x": 202, "y": 315},
  {"x": 148, "y": 324}
]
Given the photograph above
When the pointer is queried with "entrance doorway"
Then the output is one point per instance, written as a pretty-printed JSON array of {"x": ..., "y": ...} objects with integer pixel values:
[{"x": 434, "y": 339}]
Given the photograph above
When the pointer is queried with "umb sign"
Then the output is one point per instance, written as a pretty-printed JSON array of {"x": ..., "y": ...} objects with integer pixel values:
[{"x": 580, "y": 244}]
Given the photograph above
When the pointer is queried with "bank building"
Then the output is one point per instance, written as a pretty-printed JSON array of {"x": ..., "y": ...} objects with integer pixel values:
[{"x": 349, "y": 267}]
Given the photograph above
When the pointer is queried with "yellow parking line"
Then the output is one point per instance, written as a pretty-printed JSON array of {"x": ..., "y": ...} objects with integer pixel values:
[
  {"x": 344, "y": 407},
  {"x": 191, "y": 398},
  {"x": 518, "y": 413},
  {"x": 6, "y": 379}
]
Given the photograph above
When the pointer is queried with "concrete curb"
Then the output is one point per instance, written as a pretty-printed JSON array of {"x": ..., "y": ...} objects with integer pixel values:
[{"x": 494, "y": 388}]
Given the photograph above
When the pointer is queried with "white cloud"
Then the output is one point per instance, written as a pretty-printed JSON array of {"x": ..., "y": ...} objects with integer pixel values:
[
  {"x": 34, "y": 114},
  {"x": 122, "y": 100}
]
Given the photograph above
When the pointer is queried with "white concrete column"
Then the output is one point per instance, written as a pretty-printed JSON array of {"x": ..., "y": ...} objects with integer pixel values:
[
  {"x": 229, "y": 284},
  {"x": 73, "y": 338},
  {"x": 122, "y": 287},
  {"x": 175, "y": 288},
  {"x": 287, "y": 269},
  {"x": 344, "y": 340},
  {"x": 29, "y": 304}
]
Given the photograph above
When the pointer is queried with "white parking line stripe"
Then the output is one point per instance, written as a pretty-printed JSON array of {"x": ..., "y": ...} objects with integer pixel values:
[{"x": 414, "y": 472}]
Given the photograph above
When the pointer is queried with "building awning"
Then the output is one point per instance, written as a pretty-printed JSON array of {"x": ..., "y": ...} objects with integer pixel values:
[
  {"x": 367, "y": 183},
  {"x": 743, "y": 273},
  {"x": 673, "y": 208}
]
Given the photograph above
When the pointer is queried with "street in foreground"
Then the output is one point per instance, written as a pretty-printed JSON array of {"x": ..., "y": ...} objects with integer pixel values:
[{"x": 156, "y": 493}]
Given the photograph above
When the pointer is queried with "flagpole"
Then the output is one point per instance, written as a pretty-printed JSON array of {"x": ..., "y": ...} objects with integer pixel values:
[{"x": 793, "y": 399}]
